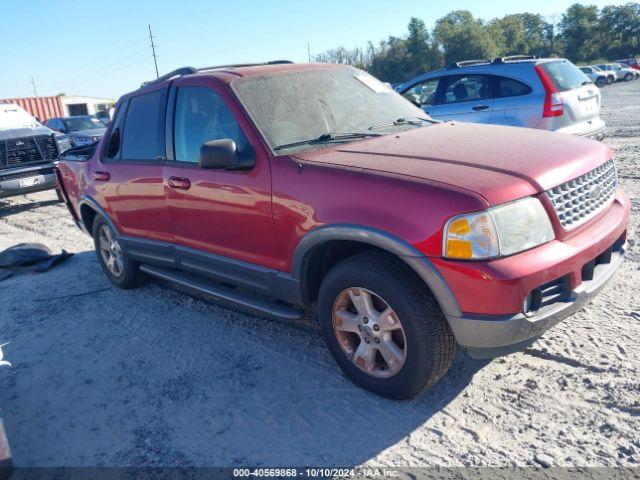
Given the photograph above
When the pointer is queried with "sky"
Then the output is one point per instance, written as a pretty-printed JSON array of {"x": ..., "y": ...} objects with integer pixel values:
[{"x": 102, "y": 48}]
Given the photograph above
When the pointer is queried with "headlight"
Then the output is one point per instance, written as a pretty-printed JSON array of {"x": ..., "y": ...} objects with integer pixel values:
[{"x": 498, "y": 231}]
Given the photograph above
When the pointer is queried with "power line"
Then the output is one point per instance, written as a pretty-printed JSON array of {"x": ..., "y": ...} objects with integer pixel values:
[{"x": 153, "y": 52}]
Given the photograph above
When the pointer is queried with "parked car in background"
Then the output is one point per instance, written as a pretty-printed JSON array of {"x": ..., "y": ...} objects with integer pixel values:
[
  {"x": 28, "y": 151},
  {"x": 622, "y": 74},
  {"x": 523, "y": 91},
  {"x": 630, "y": 62},
  {"x": 597, "y": 77},
  {"x": 82, "y": 129},
  {"x": 611, "y": 76},
  {"x": 103, "y": 116},
  {"x": 410, "y": 235}
]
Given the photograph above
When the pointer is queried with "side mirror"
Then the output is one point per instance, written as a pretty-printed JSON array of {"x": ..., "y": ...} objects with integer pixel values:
[{"x": 218, "y": 154}]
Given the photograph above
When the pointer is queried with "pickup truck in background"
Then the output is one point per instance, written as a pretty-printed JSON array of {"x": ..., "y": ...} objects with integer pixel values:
[{"x": 28, "y": 151}]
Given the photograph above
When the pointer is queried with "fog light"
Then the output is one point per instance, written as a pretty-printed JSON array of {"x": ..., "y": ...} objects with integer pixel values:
[{"x": 532, "y": 303}]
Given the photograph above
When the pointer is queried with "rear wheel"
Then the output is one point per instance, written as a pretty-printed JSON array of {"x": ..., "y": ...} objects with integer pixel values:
[
  {"x": 113, "y": 259},
  {"x": 383, "y": 327},
  {"x": 628, "y": 77}
]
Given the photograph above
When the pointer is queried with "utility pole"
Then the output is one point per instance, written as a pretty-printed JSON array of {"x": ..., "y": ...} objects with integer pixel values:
[
  {"x": 309, "y": 51},
  {"x": 33, "y": 82},
  {"x": 153, "y": 51}
]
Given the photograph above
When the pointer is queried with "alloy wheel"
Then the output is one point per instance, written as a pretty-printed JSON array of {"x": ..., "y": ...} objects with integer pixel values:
[
  {"x": 110, "y": 251},
  {"x": 369, "y": 332}
]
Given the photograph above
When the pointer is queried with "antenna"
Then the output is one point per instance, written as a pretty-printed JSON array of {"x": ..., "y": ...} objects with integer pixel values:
[
  {"x": 33, "y": 82},
  {"x": 153, "y": 51}
]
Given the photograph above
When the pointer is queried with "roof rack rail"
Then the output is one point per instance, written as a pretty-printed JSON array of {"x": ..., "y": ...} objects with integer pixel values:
[
  {"x": 513, "y": 58},
  {"x": 467, "y": 63},
  {"x": 239, "y": 65},
  {"x": 179, "y": 72}
]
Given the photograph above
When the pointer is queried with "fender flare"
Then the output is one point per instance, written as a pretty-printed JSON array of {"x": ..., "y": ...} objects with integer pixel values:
[
  {"x": 385, "y": 241},
  {"x": 91, "y": 203}
]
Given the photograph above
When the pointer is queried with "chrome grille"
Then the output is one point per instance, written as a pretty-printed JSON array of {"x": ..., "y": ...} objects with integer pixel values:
[{"x": 580, "y": 199}]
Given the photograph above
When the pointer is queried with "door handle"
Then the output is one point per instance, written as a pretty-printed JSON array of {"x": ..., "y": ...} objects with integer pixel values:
[
  {"x": 180, "y": 183},
  {"x": 101, "y": 176},
  {"x": 478, "y": 108}
]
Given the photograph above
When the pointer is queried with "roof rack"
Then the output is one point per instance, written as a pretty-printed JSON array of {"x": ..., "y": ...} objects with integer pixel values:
[
  {"x": 179, "y": 72},
  {"x": 513, "y": 58},
  {"x": 467, "y": 63}
]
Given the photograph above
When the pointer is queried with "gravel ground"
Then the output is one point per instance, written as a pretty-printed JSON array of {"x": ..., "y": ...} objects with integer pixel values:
[{"x": 155, "y": 377}]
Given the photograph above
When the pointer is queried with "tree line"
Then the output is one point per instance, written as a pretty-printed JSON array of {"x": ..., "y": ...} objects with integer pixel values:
[{"x": 583, "y": 33}]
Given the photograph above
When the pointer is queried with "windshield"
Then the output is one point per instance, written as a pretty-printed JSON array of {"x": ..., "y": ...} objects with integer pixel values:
[
  {"x": 74, "y": 124},
  {"x": 13, "y": 116},
  {"x": 564, "y": 74},
  {"x": 298, "y": 106}
]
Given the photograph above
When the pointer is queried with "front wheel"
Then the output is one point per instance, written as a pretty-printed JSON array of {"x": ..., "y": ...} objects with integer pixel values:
[
  {"x": 628, "y": 77},
  {"x": 600, "y": 82},
  {"x": 383, "y": 326}
]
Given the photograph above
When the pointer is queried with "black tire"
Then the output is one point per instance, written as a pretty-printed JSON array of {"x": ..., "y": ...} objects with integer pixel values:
[
  {"x": 430, "y": 344},
  {"x": 628, "y": 77},
  {"x": 611, "y": 80},
  {"x": 131, "y": 275},
  {"x": 600, "y": 82}
]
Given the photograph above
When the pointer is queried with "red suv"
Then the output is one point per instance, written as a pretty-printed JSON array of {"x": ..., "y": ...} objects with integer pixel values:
[{"x": 278, "y": 186}]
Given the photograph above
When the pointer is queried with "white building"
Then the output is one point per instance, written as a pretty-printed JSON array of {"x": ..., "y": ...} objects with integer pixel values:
[{"x": 79, "y": 105}]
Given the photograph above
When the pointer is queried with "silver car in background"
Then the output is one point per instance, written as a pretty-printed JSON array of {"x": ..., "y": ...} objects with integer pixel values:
[
  {"x": 622, "y": 72},
  {"x": 522, "y": 91},
  {"x": 611, "y": 76},
  {"x": 600, "y": 78}
]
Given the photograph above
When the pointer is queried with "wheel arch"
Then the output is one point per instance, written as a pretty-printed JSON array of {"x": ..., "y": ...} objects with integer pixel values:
[
  {"x": 312, "y": 251},
  {"x": 89, "y": 209}
]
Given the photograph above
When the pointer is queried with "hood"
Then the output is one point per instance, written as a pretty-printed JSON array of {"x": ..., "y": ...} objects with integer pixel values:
[
  {"x": 90, "y": 132},
  {"x": 499, "y": 163},
  {"x": 24, "y": 132}
]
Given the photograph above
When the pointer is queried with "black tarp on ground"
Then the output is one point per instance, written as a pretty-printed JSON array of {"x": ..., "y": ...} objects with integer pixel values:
[{"x": 29, "y": 257}]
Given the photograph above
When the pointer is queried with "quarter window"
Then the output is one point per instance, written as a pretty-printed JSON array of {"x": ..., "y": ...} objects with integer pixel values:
[
  {"x": 465, "y": 88},
  {"x": 508, "y": 87},
  {"x": 115, "y": 135},
  {"x": 202, "y": 116},
  {"x": 142, "y": 137}
]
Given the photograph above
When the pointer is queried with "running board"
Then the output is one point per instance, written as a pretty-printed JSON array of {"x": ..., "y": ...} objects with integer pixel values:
[{"x": 227, "y": 294}]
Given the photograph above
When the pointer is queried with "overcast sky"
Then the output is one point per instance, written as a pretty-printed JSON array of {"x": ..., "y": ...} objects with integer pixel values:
[{"x": 102, "y": 48}]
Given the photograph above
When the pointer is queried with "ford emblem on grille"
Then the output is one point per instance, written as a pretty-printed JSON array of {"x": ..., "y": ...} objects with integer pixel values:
[{"x": 596, "y": 191}]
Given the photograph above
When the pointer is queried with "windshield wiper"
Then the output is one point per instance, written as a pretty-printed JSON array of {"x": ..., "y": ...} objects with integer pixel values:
[
  {"x": 418, "y": 121},
  {"x": 328, "y": 137}
]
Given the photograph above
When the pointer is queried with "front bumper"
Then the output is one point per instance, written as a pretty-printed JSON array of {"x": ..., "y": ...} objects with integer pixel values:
[
  {"x": 491, "y": 336},
  {"x": 593, "y": 128},
  {"x": 18, "y": 181},
  {"x": 491, "y": 294}
]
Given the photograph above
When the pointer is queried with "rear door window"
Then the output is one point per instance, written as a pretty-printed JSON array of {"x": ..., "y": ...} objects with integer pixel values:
[
  {"x": 466, "y": 88},
  {"x": 564, "y": 74},
  {"x": 508, "y": 87},
  {"x": 143, "y": 133}
]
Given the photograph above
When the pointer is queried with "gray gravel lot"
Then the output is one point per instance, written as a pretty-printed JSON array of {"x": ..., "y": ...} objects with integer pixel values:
[{"x": 155, "y": 377}]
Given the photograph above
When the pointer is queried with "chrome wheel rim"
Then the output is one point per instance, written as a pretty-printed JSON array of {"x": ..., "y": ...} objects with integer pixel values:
[
  {"x": 369, "y": 332},
  {"x": 110, "y": 251}
]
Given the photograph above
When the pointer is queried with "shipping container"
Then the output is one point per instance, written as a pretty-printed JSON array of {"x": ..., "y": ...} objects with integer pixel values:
[{"x": 42, "y": 108}]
